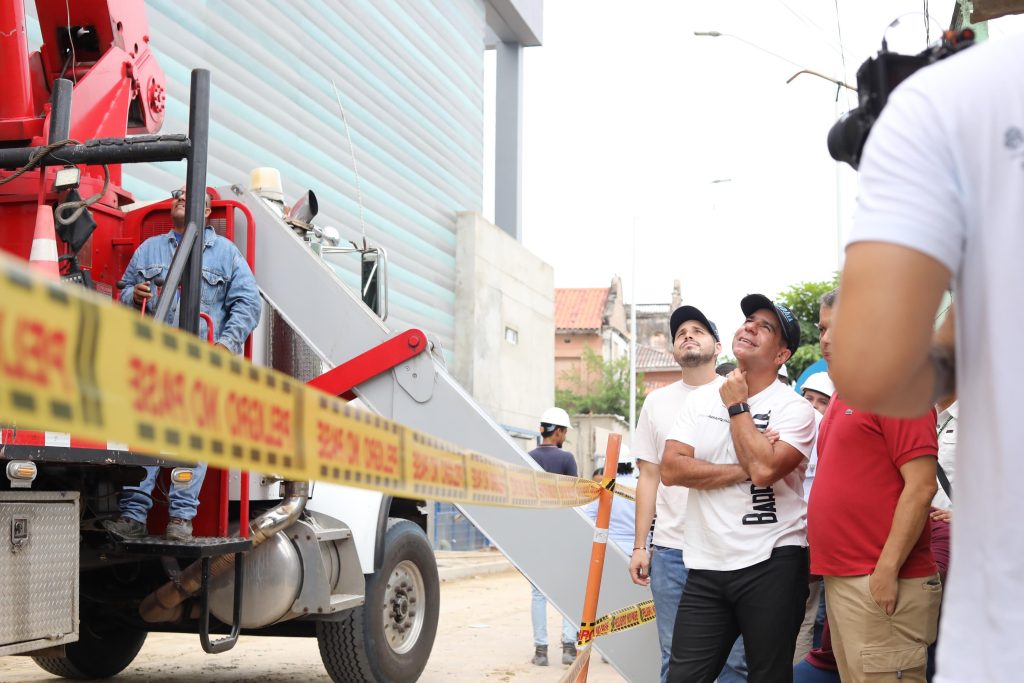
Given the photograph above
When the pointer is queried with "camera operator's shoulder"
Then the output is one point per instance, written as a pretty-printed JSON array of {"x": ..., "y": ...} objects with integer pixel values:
[{"x": 976, "y": 73}]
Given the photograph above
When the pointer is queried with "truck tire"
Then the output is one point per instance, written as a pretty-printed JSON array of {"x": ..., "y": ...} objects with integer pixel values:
[
  {"x": 389, "y": 638},
  {"x": 97, "y": 654}
]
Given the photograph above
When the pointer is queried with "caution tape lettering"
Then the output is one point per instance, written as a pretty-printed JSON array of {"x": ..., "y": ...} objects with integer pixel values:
[
  {"x": 71, "y": 361},
  {"x": 619, "y": 620}
]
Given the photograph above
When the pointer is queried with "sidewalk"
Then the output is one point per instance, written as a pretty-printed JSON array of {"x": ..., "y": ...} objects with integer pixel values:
[{"x": 460, "y": 564}]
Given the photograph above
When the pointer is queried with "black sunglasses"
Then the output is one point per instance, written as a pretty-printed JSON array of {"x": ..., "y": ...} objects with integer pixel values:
[{"x": 180, "y": 194}]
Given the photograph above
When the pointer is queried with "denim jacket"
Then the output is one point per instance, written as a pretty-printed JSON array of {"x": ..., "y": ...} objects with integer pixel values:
[{"x": 229, "y": 293}]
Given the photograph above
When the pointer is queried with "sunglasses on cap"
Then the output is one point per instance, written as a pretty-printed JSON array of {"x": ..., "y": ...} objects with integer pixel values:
[{"x": 180, "y": 194}]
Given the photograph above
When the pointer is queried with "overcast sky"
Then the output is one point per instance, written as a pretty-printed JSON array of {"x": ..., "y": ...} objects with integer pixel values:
[{"x": 630, "y": 117}]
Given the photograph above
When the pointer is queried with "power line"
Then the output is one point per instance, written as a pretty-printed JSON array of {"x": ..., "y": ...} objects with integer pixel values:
[
  {"x": 842, "y": 51},
  {"x": 823, "y": 34}
]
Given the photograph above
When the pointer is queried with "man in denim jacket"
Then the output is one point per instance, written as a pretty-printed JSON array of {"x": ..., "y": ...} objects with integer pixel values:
[{"x": 231, "y": 299}]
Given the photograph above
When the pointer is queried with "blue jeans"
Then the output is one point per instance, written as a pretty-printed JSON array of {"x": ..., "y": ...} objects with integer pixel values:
[
  {"x": 183, "y": 501},
  {"x": 668, "y": 578},
  {"x": 804, "y": 672},
  {"x": 539, "y": 616}
]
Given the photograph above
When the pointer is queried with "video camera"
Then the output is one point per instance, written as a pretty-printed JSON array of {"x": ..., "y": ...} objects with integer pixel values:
[{"x": 877, "y": 77}]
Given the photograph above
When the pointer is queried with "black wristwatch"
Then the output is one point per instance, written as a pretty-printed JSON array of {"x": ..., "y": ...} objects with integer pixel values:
[{"x": 738, "y": 409}]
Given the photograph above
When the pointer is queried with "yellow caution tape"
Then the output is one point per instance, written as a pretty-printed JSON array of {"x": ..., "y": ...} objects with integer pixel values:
[
  {"x": 72, "y": 361},
  {"x": 619, "y": 620},
  {"x": 626, "y": 492}
]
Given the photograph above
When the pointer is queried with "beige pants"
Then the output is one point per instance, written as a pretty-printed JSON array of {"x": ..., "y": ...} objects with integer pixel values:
[
  {"x": 871, "y": 646},
  {"x": 805, "y": 639}
]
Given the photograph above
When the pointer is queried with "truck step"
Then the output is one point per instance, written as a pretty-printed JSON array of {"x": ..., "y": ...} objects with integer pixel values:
[{"x": 197, "y": 547}]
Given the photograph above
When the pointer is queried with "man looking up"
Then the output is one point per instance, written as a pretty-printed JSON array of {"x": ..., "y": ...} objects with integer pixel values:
[
  {"x": 231, "y": 299},
  {"x": 695, "y": 348},
  {"x": 745, "y": 542},
  {"x": 870, "y": 539}
]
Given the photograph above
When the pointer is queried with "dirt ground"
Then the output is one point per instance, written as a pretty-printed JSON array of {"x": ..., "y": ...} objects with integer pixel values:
[{"x": 484, "y": 636}]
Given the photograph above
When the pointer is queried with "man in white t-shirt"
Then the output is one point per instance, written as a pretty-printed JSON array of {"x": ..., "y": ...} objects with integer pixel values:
[
  {"x": 942, "y": 198},
  {"x": 695, "y": 347},
  {"x": 746, "y": 531}
]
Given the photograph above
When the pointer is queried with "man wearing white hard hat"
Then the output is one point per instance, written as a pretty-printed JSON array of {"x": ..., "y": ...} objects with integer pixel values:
[
  {"x": 554, "y": 424},
  {"x": 818, "y": 390}
]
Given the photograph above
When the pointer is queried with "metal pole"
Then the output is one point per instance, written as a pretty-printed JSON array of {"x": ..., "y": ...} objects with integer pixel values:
[
  {"x": 112, "y": 151},
  {"x": 60, "y": 110},
  {"x": 632, "y": 342},
  {"x": 195, "y": 204},
  {"x": 597, "y": 553},
  {"x": 176, "y": 272}
]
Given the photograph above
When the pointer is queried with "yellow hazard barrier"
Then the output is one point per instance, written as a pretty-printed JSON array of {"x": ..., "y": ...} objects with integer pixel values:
[
  {"x": 72, "y": 361},
  {"x": 619, "y": 620}
]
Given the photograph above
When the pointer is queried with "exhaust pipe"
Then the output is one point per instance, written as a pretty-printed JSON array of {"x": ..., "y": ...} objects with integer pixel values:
[{"x": 166, "y": 603}]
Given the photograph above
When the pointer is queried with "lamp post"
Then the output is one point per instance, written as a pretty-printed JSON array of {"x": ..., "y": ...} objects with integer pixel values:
[{"x": 803, "y": 69}]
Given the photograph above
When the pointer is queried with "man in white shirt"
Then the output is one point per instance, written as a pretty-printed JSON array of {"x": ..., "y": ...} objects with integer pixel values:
[
  {"x": 695, "y": 347},
  {"x": 940, "y": 204},
  {"x": 746, "y": 533}
]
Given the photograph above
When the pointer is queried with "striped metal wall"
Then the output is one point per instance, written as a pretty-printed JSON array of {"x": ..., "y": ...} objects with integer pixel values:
[{"x": 410, "y": 77}]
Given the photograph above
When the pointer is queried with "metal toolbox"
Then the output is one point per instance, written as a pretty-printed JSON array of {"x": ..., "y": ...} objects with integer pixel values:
[{"x": 38, "y": 569}]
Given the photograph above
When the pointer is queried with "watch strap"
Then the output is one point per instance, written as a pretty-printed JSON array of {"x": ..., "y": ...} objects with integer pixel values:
[{"x": 738, "y": 408}]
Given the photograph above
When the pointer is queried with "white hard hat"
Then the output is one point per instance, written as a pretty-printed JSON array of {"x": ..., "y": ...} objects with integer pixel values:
[
  {"x": 820, "y": 382},
  {"x": 557, "y": 417}
]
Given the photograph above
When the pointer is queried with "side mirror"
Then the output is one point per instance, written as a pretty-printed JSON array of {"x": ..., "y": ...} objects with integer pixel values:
[{"x": 374, "y": 273}]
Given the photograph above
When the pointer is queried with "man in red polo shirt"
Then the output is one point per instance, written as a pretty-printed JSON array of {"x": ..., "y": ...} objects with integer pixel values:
[{"x": 867, "y": 530}]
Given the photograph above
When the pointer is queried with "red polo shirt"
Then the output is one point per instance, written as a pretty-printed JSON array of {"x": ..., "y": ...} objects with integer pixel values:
[{"x": 857, "y": 486}]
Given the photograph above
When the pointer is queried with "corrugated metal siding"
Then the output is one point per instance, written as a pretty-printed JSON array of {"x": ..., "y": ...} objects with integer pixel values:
[{"x": 410, "y": 77}]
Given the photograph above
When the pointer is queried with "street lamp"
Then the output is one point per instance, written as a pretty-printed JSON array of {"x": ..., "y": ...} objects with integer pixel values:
[{"x": 803, "y": 69}]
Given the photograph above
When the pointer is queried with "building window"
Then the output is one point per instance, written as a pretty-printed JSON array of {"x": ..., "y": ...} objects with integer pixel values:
[{"x": 511, "y": 336}]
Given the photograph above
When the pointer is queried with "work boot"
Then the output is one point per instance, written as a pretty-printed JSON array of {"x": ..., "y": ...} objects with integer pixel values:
[
  {"x": 126, "y": 527},
  {"x": 178, "y": 529},
  {"x": 568, "y": 653},
  {"x": 540, "y": 656}
]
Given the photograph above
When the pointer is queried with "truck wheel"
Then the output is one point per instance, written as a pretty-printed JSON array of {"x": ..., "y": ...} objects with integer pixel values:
[
  {"x": 389, "y": 638},
  {"x": 97, "y": 654}
]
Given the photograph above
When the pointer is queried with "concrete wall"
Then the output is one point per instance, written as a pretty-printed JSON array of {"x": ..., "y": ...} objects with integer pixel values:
[
  {"x": 501, "y": 286},
  {"x": 589, "y": 438}
]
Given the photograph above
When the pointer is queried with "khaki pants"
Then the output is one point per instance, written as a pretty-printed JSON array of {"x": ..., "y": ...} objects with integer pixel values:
[
  {"x": 871, "y": 646},
  {"x": 805, "y": 639}
]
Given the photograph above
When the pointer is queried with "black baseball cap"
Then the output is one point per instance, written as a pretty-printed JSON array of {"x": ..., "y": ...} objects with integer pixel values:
[
  {"x": 684, "y": 313},
  {"x": 790, "y": 325}
]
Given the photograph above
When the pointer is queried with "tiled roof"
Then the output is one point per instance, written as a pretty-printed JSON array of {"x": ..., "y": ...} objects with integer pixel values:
[
  {"x": 580, "y": 309},
  {"x": 649, "y": 358}
]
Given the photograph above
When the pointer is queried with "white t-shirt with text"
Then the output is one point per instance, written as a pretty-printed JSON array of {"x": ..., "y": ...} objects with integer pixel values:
[
  {"x": 738, "y": 525},
  {"x": 943, "y": 174},
  {"x": 660, "y": 412}
]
